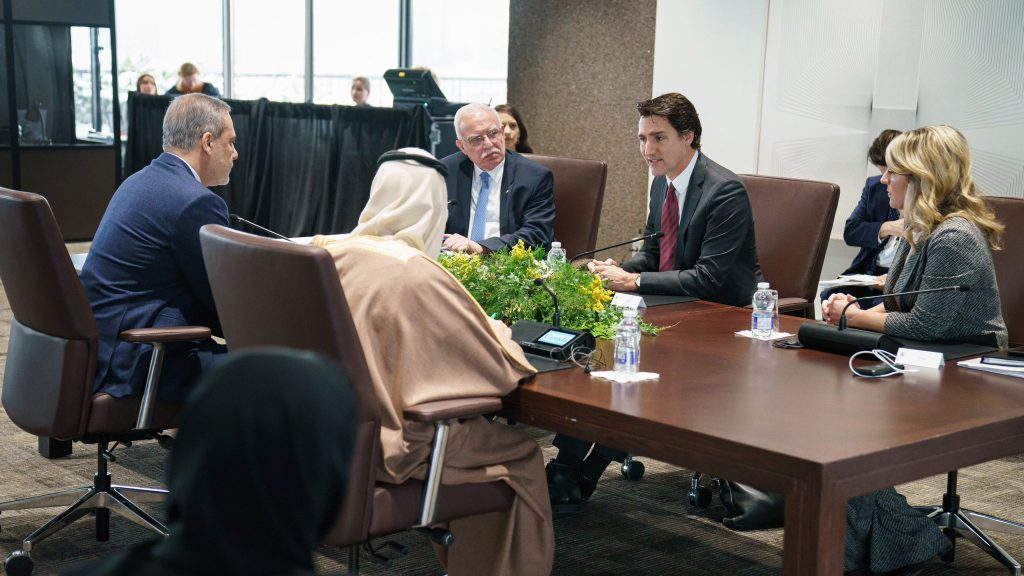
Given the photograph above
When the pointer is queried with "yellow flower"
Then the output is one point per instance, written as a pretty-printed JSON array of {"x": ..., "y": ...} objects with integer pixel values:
[{"x": 521, "y": 252}]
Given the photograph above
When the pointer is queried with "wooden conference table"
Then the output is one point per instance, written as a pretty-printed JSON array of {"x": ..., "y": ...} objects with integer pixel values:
[{"x": 795, "y": 422}]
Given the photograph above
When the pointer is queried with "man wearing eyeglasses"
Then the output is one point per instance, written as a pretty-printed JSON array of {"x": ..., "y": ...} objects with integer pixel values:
[{"x": 496, "y": 197}]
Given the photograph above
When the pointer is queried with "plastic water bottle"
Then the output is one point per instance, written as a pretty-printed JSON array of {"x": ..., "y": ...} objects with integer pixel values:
[
  {"x": 556, "y": 257},
  {"x": 627, "y": 343},
  {"x": 765, "y": 303}
]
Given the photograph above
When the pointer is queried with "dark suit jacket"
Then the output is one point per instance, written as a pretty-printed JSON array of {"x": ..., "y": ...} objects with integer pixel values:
[
  {"x": 716, "y": 254},
  {"x": 145, "y": 269},
  {"x": 864, "y": 223},
  {"x": 527, "y": 201}
]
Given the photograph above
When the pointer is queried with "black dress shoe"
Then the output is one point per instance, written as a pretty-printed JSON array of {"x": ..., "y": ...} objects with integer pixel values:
[{"x": 564, "y": 488}]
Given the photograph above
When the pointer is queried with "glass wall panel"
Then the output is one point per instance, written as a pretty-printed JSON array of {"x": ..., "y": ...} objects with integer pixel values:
[
  {"x": 94, "y": 106},
  {"x": 465, "y": 42},
  {"x": 156, "y": 37},
  {"x": 269, "y": 50},
  {"x": 353, "y": 38}
]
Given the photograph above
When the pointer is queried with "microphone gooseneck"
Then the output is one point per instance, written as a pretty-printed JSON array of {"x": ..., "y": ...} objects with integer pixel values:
[
  {"x": 554, "y": 299},
  {"x": 841, "y": 325},
  {"x": 603, "y": 248},
  {"x": 237, "y": 218}
]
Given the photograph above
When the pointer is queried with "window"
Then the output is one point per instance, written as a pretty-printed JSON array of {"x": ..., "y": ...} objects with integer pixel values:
[
  {"x": 269, "y": 53},
  {"x": 154, "y": 37},
  {"x": 464, "y": 42},
  {"x": 353, "y": 38},
  {"x": 350, "y": 38},
  {"x": 90, "y": 62}
]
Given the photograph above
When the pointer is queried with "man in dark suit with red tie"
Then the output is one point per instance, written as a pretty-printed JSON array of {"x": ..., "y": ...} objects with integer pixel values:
[
  {"x": 708, "y": 248},
  {"x": 707, "y": 251}
]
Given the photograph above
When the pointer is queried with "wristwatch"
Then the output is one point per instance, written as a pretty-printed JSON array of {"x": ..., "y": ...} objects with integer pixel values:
[{"x": 637, "y": 281}]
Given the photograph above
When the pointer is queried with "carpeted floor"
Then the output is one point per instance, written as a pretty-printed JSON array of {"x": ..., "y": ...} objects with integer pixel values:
[{"x": 627, "y": 528}]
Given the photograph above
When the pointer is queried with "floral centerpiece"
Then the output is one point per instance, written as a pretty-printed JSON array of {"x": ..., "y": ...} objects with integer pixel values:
[{"x": 502, "y": 283}]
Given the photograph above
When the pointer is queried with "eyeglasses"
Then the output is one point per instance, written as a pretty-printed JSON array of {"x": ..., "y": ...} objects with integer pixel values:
[{"x": 494, "y": 135}]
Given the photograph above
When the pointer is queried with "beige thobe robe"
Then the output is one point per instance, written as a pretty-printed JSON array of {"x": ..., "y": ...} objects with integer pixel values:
[{"x": 426, "y": 339}]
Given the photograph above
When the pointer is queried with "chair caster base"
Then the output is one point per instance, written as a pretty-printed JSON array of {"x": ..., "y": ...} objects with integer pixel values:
[
  {"x": 386, "y": 553},
  {"x": 633, "y": 470},
  {"x": 19, "y": 563}
]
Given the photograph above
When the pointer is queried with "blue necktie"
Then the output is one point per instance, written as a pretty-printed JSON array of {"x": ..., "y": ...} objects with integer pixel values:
[{"x": 480, "y": 217}]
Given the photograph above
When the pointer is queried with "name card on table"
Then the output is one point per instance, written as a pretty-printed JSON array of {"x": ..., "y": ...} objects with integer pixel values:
[
  {"x": 626, "y": 300},
  {"x": 920, "y": 358}
]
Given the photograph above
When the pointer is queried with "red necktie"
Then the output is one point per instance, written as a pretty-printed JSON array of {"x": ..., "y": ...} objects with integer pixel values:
[{"x": 670, "y": 226}]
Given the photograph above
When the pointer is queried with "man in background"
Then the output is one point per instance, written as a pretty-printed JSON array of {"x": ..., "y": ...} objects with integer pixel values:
[
  {"x": 496, "y": 197},
  {"x": 145, "y": 267},
  {"x": 190, "y": 83}
]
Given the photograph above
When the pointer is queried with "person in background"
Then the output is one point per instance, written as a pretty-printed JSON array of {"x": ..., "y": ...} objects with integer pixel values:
[
  {"x": 874, "y": 226},
  {"x": 146, "y": 84},
  {"x": 948, "y": 239},
  {"x": 434, "y": 342},
  {"x": 514, "y": 128},
  {"x": 258, "y": 471},
  {"x": 189, "y": 83},
  {"x": 145, "y": 267},
  {"x": 361, "y": 91},
  {"x": 515, "y": 195}
]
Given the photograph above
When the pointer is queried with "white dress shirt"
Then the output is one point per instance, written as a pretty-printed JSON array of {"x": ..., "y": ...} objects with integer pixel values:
[{"x": 682, "y": 182}]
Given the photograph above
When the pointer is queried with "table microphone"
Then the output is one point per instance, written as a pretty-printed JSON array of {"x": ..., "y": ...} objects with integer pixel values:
[
  {"x": 841, "y": 340},
  {"x": 541, "y": 282},
  {"x": 603, "y": 248},
  {"x": 237, "y": 218},
  {"x": 841, "y": 325}
]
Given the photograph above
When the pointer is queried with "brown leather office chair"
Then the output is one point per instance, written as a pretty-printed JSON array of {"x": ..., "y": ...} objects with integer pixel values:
[
  {"x": 1010, "y": 264},
  {"x": 51, "y": 364},
  {"x": 579, "y": 194},
  {"x": 272, "y": 292},
  {"x": 792, "y": 222}
]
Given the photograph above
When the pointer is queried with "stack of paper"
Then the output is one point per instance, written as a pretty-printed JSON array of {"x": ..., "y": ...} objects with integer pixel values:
[
  {"x": 977, "y": 364},
  {"x": 850, "y": 280}
]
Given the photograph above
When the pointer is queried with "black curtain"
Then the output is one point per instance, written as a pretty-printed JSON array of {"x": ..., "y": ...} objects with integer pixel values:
[{"x": 302, "y": 169}]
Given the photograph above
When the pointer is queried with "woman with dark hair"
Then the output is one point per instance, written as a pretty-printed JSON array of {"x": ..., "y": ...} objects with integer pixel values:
[
  {"x": 146, "y": 84},
  {"x": 258, "y": 471},
  {"x": 948, "y": 237},
  {"x": 515, "y": 129}
]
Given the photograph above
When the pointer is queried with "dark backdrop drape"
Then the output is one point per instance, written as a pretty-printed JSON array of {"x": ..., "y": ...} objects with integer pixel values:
[{"x": 302, "y": 169}]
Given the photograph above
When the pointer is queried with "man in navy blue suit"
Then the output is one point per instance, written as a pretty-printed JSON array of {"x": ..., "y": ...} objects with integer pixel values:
[
  {"x": 496, "y": 197},
  {"x": 145, "y": 267},
  {"x": 873, "y": 226}
]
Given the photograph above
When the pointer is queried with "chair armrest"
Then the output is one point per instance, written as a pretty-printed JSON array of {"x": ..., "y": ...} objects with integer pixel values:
[
  {"x": 158, "y": 337},
  {"x": 170, "y": 334},
  {"x": 452, "y": 409}
]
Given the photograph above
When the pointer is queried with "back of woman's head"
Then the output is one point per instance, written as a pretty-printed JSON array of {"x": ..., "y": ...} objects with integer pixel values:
[
  {"x": 937, "y": 162},
  {"x": 260, "y": 464}
]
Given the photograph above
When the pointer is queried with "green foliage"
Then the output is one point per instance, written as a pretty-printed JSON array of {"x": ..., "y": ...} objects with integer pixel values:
[{"x": 502, "y": 283}]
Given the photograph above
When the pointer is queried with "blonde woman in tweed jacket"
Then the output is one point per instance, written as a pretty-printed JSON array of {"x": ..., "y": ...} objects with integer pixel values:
[{"x": 950, "y": 234}]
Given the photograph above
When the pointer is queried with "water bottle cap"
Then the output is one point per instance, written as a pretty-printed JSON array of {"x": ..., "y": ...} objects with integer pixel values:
[
  {"x": 762, "y": 285},
  {"x": 556, "y": 244}
]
